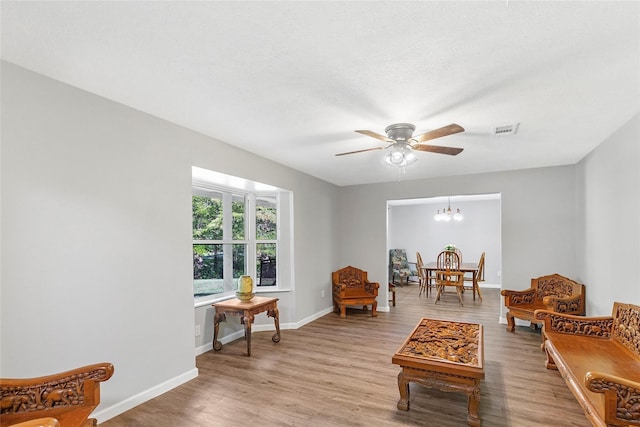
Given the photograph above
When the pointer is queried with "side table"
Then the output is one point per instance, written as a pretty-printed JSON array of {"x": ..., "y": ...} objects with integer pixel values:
[{"x": 247, "y": 311}]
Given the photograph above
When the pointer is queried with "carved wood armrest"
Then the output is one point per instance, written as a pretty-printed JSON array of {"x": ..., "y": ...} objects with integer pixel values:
[
  {"x": 526, "y": 296},
  {"x": 68, "y": 396},
  {"x": 576, "y": 325},
  {"x": 621, "y": 397},
  {"x": 371, "y": 287},
  {"x": 573, "y": 304},
  {"x": 339, "y": 288}
]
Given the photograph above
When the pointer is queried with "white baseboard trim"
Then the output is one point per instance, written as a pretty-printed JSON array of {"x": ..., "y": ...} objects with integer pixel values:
[
  {"x": 489, "y": 285},
  {"x": 121, "y": 407}
]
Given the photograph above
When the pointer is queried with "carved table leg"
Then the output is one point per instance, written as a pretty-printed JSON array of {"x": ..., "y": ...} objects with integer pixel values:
[
  {"x": 217, "y": 318},
  {"x": 276, "y": 320},
  {"x": 472, "y": 407},
  {"x": 248, "y": 320},
  {"x": 403, "y": 387}
]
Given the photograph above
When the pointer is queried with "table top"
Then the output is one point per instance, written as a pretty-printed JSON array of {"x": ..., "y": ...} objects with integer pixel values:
[
  {"x": 236, "y": 304},
  {"x": 464, "y": 266},
  {"x": 441, "y": 342}
]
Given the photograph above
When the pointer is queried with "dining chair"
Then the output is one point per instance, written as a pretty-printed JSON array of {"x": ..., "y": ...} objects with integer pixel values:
[
  {"x": 422, "y": 276},
  {"x": 479, "y": 274},
  {"x": 444, "y": 278},
  {"x": 448, "y": 260}
]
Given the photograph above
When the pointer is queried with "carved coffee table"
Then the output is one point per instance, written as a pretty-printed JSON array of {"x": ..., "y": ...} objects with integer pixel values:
[{"x": 448, "y": 356}]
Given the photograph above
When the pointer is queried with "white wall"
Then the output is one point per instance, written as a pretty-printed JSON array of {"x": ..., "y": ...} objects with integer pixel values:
[
  {"x": 609, "y": 231},
  {"x": 412, "y": 227},
  {"x": 96, "y": 237}
]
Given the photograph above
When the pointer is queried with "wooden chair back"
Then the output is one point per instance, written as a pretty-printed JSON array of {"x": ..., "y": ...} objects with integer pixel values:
[
  {"x": 480, "y": 274},
  {"x": 448, "y": 260},
  {"x": 422, "y": 275},
  {"x": 420, "y": 264}
]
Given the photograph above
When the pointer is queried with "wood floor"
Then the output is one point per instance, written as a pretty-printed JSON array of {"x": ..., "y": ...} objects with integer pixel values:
[{"x": 338, "y": 372}]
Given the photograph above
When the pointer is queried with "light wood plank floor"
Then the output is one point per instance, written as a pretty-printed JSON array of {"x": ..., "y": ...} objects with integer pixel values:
[{"x": 338, "y": 372}]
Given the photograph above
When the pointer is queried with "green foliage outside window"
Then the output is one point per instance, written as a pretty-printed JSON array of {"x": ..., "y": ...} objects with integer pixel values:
[{"x": 207, "y": 214}]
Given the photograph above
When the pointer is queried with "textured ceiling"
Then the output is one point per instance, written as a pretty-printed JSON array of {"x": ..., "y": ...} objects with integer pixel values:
[{"x": 291, "y": 81}]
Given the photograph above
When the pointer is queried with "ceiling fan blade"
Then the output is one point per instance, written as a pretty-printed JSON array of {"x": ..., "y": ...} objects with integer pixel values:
[
  {"x": 438, "y": 133},
  {"x": 359, "y": 151},
  {"x": 375, "y": 135},
  {"x": 452, "y": 151}
]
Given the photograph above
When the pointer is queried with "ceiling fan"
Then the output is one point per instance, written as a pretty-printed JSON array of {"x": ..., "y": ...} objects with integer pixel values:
[{"x": 402, "y": 143}]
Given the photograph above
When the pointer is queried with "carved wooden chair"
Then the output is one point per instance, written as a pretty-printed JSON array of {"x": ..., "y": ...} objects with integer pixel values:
[
  {"x": 552, "y": 292},
  {"x": 400, "y": 267},
  {"x": 352, "y": 287},
  {"x": 67, "y": 397}
]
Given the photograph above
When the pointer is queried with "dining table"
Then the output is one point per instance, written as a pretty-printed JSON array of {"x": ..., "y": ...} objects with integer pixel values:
[{"x": 465, "y": 267}]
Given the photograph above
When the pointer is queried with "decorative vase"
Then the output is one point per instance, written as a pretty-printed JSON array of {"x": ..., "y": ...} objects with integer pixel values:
[{"x": 245, "y": 288}]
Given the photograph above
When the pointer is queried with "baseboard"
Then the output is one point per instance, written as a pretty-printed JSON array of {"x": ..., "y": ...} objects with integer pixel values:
[
  {"x": 489, "y": 285},
  {"x": 130, "y": 403}
]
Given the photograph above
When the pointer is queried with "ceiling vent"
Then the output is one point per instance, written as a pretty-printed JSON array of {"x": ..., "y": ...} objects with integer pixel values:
[{"x": 506, "y": 130}]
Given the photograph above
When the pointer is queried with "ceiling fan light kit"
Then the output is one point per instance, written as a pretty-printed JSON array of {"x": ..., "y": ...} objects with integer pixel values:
[
  {"x": 400, "y": 155},
  {"x": 402, "y": 143}
]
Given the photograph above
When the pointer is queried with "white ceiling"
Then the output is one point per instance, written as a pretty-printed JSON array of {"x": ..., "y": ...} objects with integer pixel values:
[{"x": 291, "y": 81}]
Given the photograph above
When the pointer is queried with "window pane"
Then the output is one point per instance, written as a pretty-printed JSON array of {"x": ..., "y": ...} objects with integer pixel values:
[
  {"x": 239, "y": 257},
  {"x": 266, "y": 217},
  {"x": 238, "y": 226},
  {"x": 266, "y": 264},
  {"x": 207, "y": 270},
  {"x": 207, "y": 217}
]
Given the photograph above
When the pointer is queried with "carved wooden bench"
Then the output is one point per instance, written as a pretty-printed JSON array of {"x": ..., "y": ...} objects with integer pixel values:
[
  {"x": 553, "y": 292},
  {"x": 599, "y": 358},
  {"x": 351, "y": 287},
  {"x": 68, "y": 397}
]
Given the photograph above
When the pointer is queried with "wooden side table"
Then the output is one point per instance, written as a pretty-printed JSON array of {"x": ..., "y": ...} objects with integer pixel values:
[{"x": 247, "y": 311}]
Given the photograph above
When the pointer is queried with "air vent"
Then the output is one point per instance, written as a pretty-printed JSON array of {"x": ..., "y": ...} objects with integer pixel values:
[{"x": 506, "y": 130}]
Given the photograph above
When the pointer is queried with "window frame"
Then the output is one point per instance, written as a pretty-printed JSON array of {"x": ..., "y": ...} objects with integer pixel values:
[{"x": 200, "y": 188}]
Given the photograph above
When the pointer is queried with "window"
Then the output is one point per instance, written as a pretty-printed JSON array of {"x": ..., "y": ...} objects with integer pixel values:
[{"x": 231, "y": 227}]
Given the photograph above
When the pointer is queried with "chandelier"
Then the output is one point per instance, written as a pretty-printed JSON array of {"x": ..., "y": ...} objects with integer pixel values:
[
  {"x": 447, "y": 214},
  {"x": 400, "y": 155}
]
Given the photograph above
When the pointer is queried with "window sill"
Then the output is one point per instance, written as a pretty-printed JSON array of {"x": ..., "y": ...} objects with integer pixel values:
[{"x": 218, "y": 298}]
